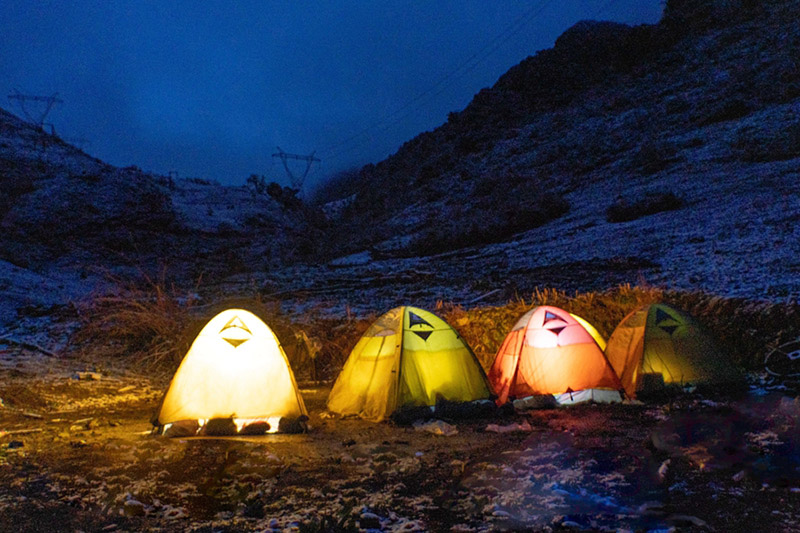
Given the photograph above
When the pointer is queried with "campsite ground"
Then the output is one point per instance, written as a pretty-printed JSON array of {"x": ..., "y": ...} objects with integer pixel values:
[{"x": 77, "y": 456}]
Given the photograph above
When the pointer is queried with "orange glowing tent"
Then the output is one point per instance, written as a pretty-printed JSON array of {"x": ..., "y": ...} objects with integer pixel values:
[{"x": 548, "y": 351}]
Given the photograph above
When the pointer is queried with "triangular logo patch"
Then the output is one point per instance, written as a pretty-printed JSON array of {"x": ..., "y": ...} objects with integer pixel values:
[
  {"x": 548, "y": 316},
  {"x": 662, "y": 315},
  {"x": 669, "y": 329},
  {"x": 235, "y": 332},
  {"x": 235, "y": 342},
  {"x": 423, "y": 334},
  {"x": 415, "y": 320},
  {"x": 236, "y": 322}
]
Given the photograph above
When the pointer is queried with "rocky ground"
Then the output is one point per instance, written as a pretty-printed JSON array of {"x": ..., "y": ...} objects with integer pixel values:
[
  {"x": 709, "y": 117},
  {"x": 76, "y": 454}
]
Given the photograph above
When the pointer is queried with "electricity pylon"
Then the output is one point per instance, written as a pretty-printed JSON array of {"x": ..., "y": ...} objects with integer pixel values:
[
  {"x": 297, "y": 181},
  {"x": 48, "y": 101}
]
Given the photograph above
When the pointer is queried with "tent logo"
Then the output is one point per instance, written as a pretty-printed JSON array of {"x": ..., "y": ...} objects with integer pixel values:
[
  {"x": 423, "y": 334},
  {"x": 235, "y": 332},
  {"x": 556, "y": 328},
  {"x": 663, "y": 320},
  {"x": 416, "y": 320},
  {"x": 548, "y": 316}
]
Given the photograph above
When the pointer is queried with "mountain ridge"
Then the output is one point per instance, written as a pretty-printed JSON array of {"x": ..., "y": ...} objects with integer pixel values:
[{"x": 609, "y": 98}]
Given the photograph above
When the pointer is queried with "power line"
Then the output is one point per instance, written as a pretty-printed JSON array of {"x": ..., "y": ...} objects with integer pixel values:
[
  {"x": 443, "y": 83},
  {"x": 437, "y": 88}
]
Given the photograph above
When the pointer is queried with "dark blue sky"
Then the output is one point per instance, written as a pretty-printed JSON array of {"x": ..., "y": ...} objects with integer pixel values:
[{"x": 210, "y": 88}]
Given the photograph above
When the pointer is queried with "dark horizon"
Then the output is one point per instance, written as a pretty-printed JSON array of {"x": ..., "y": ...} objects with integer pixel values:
[{"x": 210, "y": 91}]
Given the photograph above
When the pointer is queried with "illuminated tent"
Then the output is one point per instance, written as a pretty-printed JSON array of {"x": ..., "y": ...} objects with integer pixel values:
[
  {"x": 601, "y": 342},
  {"x": 548, "y": 351},
  {"x": 408, "y": 357},
  {"x": 236, "y": 369},
  {"x": 659, "y": 341}
]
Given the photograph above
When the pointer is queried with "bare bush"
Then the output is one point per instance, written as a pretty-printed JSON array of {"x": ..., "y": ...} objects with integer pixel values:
[
  {"x": 763, "y": 146},
  {"x": 147, "y": 323},
  {"x": 624, "y": 210}
]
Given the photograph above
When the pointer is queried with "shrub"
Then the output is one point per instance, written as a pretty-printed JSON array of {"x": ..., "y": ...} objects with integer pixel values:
[
  {"x": 773, "y": 145},
  {"x": 499, "y": 206},
  {"x": 722, "y": 111},
  {"x": 624, "y": 210},
  {"x": 153, "y": 323},
  {"x": 145, "y": 322},
  {"x": 652, "y": 157},
  {"x": 257, "y": 184}
]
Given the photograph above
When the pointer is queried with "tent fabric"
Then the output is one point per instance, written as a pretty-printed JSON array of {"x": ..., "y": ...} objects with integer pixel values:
[
  {"x": 549, "y": 352},
  {"x": 235, "y": 368},
  {"x": 408, "y": 357},
  {"x": 658, "y": 339},
  {"x": 601, "y": 342},
  {"x": 588, "y": 395}
]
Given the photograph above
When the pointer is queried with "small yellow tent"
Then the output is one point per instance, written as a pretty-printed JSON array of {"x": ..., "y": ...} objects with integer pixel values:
[
  {"x": 659, "y": 340},
  {"x": 236, "y": 369},
  {"x": 408, "y": 357}
]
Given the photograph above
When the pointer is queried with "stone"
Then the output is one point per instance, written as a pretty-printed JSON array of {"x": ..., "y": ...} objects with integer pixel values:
[
  {"x": 133, "y": 508},
  {"x": 255, "y": 428},
  {"x": 369, "y": 521},
  {"x": 182, "y": 428},
  {"x": 219, "y": 427}
]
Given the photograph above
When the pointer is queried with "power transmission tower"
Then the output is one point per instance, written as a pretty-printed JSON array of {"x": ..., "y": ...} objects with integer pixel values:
[
  {"x": 297, "y": 180},
  {"x": 48, "y": 101}
]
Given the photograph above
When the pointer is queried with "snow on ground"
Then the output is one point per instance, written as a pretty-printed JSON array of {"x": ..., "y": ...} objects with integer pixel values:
[
  {"x": 207, "y": 206},
  {"x": 20, "y": 287},
  {"x": 87, "y": 462},
  {"x": 738, "y": 235}
]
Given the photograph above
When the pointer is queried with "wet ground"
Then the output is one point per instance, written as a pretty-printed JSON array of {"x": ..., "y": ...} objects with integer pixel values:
[{"x": 76, "y": 455}]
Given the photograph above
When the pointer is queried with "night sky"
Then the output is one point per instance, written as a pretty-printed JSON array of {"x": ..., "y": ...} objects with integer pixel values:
[{"x": 209, "y": 89}]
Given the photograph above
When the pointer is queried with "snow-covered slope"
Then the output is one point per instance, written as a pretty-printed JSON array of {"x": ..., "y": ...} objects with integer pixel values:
[
  {"x": 703, "y": 108},
  {"x": 69, "y": 221}
]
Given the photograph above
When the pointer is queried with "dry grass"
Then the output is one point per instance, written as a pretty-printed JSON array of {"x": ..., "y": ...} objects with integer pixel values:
[
  {"x": 484, "y": 328},
  {"x": 745, "y": 328},
  {"x": 154, "y": 325},
  {"x": 147, "y": 322}
]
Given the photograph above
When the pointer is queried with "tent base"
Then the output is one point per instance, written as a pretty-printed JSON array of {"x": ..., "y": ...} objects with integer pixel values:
[
  {"x": 588, "y": 395},
  {"x": 445, "y": 409},
  {"x": 224, "y": 427},
  {"x": 538, "y": 401}
]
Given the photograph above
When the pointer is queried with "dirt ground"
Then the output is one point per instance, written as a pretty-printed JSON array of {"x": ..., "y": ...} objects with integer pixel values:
[{"x": 77, "y": 455}]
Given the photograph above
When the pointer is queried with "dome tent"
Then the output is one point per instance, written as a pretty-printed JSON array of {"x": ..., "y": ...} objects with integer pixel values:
[
  {"x": 235, "y": 369},
  {"x": 658, "y": 341},
  {"x": 408, "y": 357},
  {"x": 549, "y": 351}
]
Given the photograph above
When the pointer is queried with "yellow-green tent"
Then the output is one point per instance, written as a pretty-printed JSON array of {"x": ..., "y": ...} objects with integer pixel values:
[
  {"x": 236, "y": 369},
  {"x": 408, "y": 357},
  {"x": 660, "y": 340}
]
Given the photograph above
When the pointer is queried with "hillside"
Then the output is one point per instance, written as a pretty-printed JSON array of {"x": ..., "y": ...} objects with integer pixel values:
[
  {"x": 70, "y": 222},
  {"x": 672, "y": 148}
]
